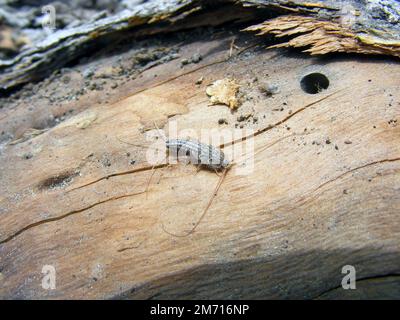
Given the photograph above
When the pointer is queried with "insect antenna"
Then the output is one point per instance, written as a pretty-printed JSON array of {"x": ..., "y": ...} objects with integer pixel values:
[{"x": 162, "y": 134}]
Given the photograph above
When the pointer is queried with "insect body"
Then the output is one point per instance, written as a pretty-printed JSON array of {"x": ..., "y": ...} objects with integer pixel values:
[{"x": 199, "y": 153}]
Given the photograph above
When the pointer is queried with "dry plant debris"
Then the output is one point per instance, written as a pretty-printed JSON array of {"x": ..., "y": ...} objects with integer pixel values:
[{"x": 224, "y": 91}]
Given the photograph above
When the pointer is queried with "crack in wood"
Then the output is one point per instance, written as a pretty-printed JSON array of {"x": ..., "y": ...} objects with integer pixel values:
[
  {"x": 309, "y": 197},
  {"x": 355, "y": 169},
  {"x": 270, "y": 127},
  {"x": 142, "y": 169},
  {"x": 41, "y": 222}
]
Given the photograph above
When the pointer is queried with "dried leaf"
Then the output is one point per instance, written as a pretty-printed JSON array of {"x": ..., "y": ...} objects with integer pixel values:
[{"x": 224, "y": 91}]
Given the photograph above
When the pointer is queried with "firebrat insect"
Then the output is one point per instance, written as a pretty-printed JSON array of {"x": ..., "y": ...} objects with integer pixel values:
[{"x": 199, "y": 153}]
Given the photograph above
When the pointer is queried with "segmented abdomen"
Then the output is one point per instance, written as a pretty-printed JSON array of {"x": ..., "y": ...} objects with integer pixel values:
[{"x": 199, "y": 153}]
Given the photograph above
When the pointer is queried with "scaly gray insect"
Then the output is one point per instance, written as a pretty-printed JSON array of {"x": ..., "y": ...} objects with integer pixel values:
[{"x": 199, "y": 153}]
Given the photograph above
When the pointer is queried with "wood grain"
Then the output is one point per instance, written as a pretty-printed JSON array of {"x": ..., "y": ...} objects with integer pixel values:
[{"x": 314, "y": 202}]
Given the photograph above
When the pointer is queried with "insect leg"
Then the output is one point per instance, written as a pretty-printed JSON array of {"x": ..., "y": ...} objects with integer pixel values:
[
  {"x": 153, "y": 170},
  {"x": 221, "y": 179},
  {"x": 217, "y": 173},
  {"x": 136, "y": 145},
  {"x": 159, "y": 131}
]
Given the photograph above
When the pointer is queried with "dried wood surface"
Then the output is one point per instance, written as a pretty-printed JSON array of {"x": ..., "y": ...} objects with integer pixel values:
[{"x": 71, "y": 194}]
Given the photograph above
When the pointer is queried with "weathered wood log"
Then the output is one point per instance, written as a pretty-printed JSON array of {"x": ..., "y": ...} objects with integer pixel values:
[{"x": 324, "y": 194}]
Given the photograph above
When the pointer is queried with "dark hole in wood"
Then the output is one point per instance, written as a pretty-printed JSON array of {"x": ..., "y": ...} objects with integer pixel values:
[{"x": 314, "y": 83}]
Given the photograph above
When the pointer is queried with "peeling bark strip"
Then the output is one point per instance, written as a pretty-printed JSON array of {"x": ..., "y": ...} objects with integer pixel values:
[
  {"x": 322, "y": 36},
  {"x": 368, "y": 26}
]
